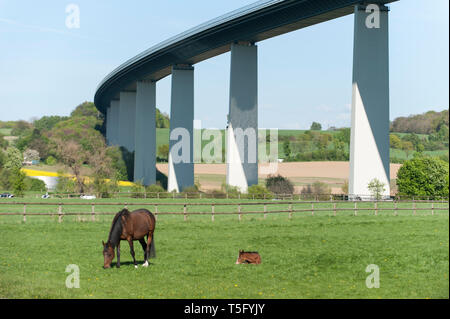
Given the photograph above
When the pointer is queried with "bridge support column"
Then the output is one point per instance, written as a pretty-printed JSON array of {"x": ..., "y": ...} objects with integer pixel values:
[
  {"x": 181, "y": 163},
  {"x": 127, "y": 119},
  {"x": 145, "y": 133},
  {"x": 242, "y": 129},
  {"x": 369, "y": 145},
  {"x": 112, "y": 123}
]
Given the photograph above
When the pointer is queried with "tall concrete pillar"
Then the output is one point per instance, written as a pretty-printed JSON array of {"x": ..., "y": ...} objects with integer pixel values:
[
  {"x": 242, "y": 130},
  {"x": 145, "y": 133},
  {"x": 181, "y": 157},
  {"x": 127, "y": 118},
  {"x": 369, "y": 145},
  {"x": 113, "y": 119}
]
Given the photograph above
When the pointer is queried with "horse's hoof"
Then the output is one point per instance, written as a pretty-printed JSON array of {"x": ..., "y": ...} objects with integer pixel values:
[{"x": 145, "y": 264}]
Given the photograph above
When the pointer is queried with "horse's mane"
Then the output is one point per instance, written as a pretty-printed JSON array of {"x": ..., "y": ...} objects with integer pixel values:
[{"x": 116, "y": 227}]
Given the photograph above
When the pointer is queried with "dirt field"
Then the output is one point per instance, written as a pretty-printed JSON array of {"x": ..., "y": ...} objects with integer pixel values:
[{"x": 211, "y": 176}]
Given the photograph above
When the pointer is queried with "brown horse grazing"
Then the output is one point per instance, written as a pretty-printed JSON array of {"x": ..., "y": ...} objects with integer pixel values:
[{"x": 130, "y": 226}]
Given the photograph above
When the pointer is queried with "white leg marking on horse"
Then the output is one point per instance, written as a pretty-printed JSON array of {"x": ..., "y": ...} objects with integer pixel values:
[
  {"x": 135, "y": 266},
  {"x": 145, "y": 264}
]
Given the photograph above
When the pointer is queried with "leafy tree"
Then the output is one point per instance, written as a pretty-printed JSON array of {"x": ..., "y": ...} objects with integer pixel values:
[
  {"x": 3, "y": 143},
  {"x": 279, "y": 185},
  {"x": 13, "y": 159},
  {"x": 287, "y": 149},
  {"x": 163, "y": 151},
  {"x": 376, "y": 188},
  {"x": 162, "y": 119},
  {"x": 424, "y": 176},
  {"x": 408, "y": 147},
  {"x": 18, "y": 182},
  {"x": 46, "y": 123},
  {"x": 86, "y": 109},
  {"x": 395, "y": 141},
  {"x": 316, "y": 126}
]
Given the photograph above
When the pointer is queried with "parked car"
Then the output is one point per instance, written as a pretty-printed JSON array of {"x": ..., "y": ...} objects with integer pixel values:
[
  {"x": 88, "y": 197},
  {"x": 6, "y": 195}
]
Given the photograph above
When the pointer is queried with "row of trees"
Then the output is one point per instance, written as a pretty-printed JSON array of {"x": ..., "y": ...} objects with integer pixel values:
[
  {"x": 314, "y": 145},
  {"x": 427, "y": 123}
]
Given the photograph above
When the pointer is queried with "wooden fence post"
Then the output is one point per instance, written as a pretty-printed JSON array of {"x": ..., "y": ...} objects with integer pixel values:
[
  {"x": 156, "y": 211},
  {"x": 290, "y": 211},
  {"x": 93, "y": 212},
  {"x": 265, "y": 211},
  {"x": 212, "y": 212},
  {"x": 239, "y": 211},
  {"x": 24, "y": 213},
  {"x": 184, "y": 212},
  {"x": 312, "y": 209},
  {"x": 414, "y": 208},
  {"x": 60, "y": 213},
  {"x": 376, "y": 208}
]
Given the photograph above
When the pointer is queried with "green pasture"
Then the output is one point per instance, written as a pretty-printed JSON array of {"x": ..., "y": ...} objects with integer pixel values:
[{"x": 307, "y": 256}]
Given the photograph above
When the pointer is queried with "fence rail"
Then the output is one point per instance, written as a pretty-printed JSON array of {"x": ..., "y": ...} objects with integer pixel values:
[
  {"x": 223, "y": 195},
  {"x": 233, "y": 208}
]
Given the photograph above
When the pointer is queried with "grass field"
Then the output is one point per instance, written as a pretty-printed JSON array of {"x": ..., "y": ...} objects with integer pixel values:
[{"x": 318, "y": 256}]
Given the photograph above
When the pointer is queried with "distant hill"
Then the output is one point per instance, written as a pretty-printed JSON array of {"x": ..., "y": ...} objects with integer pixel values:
[{"x": 426, "y": 123}]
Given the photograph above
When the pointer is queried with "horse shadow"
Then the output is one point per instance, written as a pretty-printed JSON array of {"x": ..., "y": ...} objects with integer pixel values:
[{"x": 130, "y": 263}]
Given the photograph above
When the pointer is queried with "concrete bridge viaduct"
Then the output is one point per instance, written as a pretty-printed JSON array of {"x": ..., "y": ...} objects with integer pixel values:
[{"x": 127, "y": 96}]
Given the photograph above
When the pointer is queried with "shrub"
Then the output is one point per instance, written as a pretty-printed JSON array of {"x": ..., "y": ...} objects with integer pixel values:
[
  {"x": 50, "y": 160},
  {"x": 317, "y": 190},
  {"x": 258, "y": 192},
  {"x": 232, "y": 191},
  {"x": 138, "y": 190},
  {"x": 152, "y": 191},
  {"x": 34, "y": 184},
  {"x": 424, "y": 176},
  {"x": 279, "y": 185},
  {"x": 190, "y": 191}
]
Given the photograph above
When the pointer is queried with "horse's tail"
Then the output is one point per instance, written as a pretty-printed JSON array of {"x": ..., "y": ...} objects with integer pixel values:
[{"x": 152, "y": 248}]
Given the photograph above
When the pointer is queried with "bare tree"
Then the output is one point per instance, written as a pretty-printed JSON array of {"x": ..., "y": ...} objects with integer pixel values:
[{"x": 73, "y": 156}]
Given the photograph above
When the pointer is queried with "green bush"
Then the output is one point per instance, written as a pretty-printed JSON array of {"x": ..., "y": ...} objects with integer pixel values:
[
  {"x": 34, "y": 184},
  {"x": 259, "y": 192},
  {"x": 278, "y": 184},
  {"x": 50, "y": 160},
  {"x": 232, "y": 191},
  {"x": 424, "y": 176},
  {"x": 153, "y": 190}
]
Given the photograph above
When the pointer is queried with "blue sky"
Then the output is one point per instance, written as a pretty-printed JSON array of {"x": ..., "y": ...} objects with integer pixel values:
[{"x": 304, "y": 76}]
